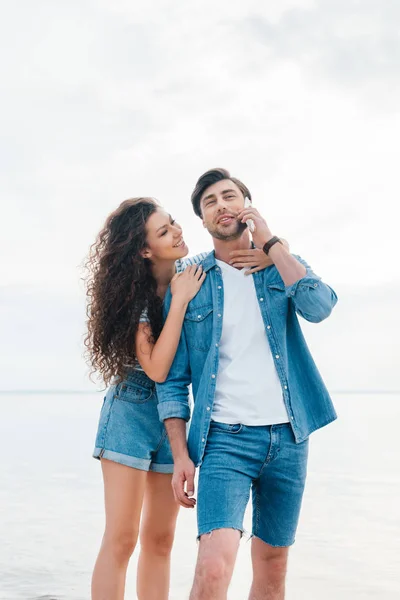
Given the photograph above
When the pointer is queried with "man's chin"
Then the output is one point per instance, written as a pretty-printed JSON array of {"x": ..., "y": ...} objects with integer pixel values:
[{"x": 228, "y": 234}]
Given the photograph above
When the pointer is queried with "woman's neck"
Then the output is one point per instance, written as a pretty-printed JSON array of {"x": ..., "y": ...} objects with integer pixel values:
[{"x": 163, "y": 271}]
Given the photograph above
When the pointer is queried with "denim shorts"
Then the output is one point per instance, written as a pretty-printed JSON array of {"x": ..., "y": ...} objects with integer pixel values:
[
  {"x": 263, "y": 459},
  {"x": 130, "y": 431}
]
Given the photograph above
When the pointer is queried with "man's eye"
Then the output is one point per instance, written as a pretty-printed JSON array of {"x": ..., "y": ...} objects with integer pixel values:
[
  {"x": 210, "y": 202},
  {"x": 229, "y": 197}
]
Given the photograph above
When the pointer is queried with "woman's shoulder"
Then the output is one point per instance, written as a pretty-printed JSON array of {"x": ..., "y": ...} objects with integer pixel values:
[{"x": 182, "y": 263}]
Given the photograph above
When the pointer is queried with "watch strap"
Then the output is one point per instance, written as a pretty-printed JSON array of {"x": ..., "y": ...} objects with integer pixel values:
[{"x": 268, "y": 245}]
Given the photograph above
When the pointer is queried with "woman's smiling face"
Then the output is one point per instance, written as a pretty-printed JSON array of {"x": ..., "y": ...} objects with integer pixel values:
[{"x": 164, "y": 237}]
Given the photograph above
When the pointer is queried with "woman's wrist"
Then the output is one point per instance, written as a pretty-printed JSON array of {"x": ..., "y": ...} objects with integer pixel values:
[{"x": 178, "y": 303}]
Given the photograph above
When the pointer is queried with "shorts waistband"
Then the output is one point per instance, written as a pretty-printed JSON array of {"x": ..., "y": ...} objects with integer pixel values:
[{"x": 140, "y": 378}]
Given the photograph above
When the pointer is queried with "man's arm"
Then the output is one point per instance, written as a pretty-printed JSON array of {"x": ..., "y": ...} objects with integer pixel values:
[
  {"x": 173, "y": 409},
  {"x": 184, "y": 469},
  {"x": 312, "y": 299}
]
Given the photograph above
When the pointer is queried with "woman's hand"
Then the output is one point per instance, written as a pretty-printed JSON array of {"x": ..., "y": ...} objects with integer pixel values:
[
  {"x": 252, "y": 260},
  {"x": 184, "y": 286}
]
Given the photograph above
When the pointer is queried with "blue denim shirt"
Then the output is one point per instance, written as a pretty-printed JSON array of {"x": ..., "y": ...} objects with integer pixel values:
[{"x": 196, "y": 362}]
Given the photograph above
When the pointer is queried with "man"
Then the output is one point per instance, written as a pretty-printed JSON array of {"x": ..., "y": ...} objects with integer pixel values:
[{"x": 257, "y": 394}]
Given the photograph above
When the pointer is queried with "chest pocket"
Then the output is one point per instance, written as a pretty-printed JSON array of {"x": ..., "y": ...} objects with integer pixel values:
[{"x": 199, "y": 328}]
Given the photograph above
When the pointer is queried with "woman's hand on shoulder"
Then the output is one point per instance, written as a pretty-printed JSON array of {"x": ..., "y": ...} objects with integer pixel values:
[
  {"x": 185, "y": 285},
  {"x": 252, "y": 260}
]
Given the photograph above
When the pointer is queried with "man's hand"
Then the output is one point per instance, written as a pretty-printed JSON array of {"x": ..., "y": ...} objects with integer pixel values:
[
  {"x": 262, "y": 233},
  {"x": 184, "y": 471}
]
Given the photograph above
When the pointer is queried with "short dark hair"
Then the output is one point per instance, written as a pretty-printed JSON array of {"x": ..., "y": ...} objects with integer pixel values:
[{"x": 209, "y": 178}]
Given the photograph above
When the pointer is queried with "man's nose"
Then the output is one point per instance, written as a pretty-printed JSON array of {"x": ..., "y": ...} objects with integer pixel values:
[{"x": 221, "y": 204}]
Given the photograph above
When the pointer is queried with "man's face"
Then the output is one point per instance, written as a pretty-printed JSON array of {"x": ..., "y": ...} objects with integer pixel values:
[{"x": 219, "y": 205}]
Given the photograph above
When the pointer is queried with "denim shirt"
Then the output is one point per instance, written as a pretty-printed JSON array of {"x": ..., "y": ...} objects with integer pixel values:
[{"x": 196, "y": 361}]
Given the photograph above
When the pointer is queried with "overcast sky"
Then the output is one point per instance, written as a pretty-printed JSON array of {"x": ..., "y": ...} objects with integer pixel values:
[{"x": 101, "y": 101}]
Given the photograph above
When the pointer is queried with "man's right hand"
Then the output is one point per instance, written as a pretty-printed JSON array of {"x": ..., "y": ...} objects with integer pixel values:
[{"x": 184, "y": 472}]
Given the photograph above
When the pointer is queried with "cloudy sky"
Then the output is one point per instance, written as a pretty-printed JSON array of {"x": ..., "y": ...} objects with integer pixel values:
[{"x": 101, "y": 101}]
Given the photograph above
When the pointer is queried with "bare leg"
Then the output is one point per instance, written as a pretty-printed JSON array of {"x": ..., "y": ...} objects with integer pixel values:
[
  {"x": 123, "y": 491},
  {"x": 156, "y": 537},
  {"x": 269, "y": 571},
  {"x": 215, "y": 562}
]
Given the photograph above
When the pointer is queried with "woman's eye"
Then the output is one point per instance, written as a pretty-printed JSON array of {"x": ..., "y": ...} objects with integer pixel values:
[
  {"x": 173, "y": 222},
  {"x": 163, "y": 233}
]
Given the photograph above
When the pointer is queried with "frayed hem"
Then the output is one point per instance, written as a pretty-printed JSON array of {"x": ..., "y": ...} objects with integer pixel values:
[
  {"x": 209, "y": 531},
  {"x": 253, "y": 535}
]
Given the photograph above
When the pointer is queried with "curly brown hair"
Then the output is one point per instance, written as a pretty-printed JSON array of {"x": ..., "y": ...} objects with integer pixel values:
[{"x": 119, "y": 287}]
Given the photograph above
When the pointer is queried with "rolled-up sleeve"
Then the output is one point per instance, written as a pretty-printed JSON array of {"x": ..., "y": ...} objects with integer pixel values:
[
  {"x": 312, "y": 298},
  {"x": 173, "y": 394}
]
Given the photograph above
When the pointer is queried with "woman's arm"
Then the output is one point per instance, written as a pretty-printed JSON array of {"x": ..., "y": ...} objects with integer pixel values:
[{"x": 156, "y": 359}]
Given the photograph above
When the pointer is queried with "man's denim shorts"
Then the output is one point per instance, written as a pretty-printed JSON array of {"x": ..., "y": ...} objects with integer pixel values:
[
  {"x": 265, "y": 459},
  {"x": 129, "y": 430}
]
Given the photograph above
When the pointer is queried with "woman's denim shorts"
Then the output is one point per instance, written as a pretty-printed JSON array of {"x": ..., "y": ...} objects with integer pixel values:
[{"x": 129, "y": 430}]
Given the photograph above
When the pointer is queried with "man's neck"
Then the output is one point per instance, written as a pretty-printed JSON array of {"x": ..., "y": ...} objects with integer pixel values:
[{"x": 223, "y": 248}]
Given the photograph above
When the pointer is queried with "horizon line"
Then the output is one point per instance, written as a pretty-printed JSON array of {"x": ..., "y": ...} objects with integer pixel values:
[{"x": 71, "y": 392}]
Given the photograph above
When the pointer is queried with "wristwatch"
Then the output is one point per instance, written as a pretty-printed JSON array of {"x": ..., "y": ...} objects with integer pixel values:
[{"x": 267, "y": 247}]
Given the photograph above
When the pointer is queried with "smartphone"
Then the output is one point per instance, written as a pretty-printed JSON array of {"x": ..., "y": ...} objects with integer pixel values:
[{"x": 249, "y": 222}]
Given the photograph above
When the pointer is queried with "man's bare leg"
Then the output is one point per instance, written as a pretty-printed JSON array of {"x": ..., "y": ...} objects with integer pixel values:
[
  {"x": 215, "y": 562},
  {"x": 269, "y": 571}
]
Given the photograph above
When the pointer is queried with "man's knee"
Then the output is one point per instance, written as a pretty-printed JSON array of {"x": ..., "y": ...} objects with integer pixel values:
[
  {"x": 217, "y": 556},
  {"x": 213, "y": 568}
]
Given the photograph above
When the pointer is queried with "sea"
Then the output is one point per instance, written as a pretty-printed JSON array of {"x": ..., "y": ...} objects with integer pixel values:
[{"x": 52, "y": 514}]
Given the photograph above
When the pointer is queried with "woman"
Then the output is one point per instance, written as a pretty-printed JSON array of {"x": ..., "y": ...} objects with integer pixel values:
[{"x": 136, "y": 256}]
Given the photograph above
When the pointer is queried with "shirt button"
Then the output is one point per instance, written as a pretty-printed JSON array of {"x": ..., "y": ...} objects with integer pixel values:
[
  {"x": 285, "y": 386},
  {"x": 208, "y": 408},
  {"x": 292, "y": 293},
  {"x": 219, "y": 315},
  {"x": 315, "y": 284},
  {"x": 219, "y": 287},
  {"x": 268, "y": 326},
  {"x": 276, "y": 355},
  {"x": 199, "y": 316},
  {"x": 261, "y": 299},
  {"x": 203, "y": 440},
  {"x": 292, "y": 418},
  {"x": 216, "y": 345},
  {"x": 213, "y": 376}
]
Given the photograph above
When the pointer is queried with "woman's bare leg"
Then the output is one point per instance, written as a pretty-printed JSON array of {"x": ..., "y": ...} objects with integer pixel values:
[
  {"x": 156, "y": 537},
  {"x": 123, "y": 492}
]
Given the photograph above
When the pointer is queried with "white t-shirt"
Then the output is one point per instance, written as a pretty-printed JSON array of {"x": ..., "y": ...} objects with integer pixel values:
[{"x": 248, "y": 388}]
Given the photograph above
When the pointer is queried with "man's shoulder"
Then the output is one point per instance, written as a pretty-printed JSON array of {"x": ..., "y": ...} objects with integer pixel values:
[{"x": 197, "y": 259}]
